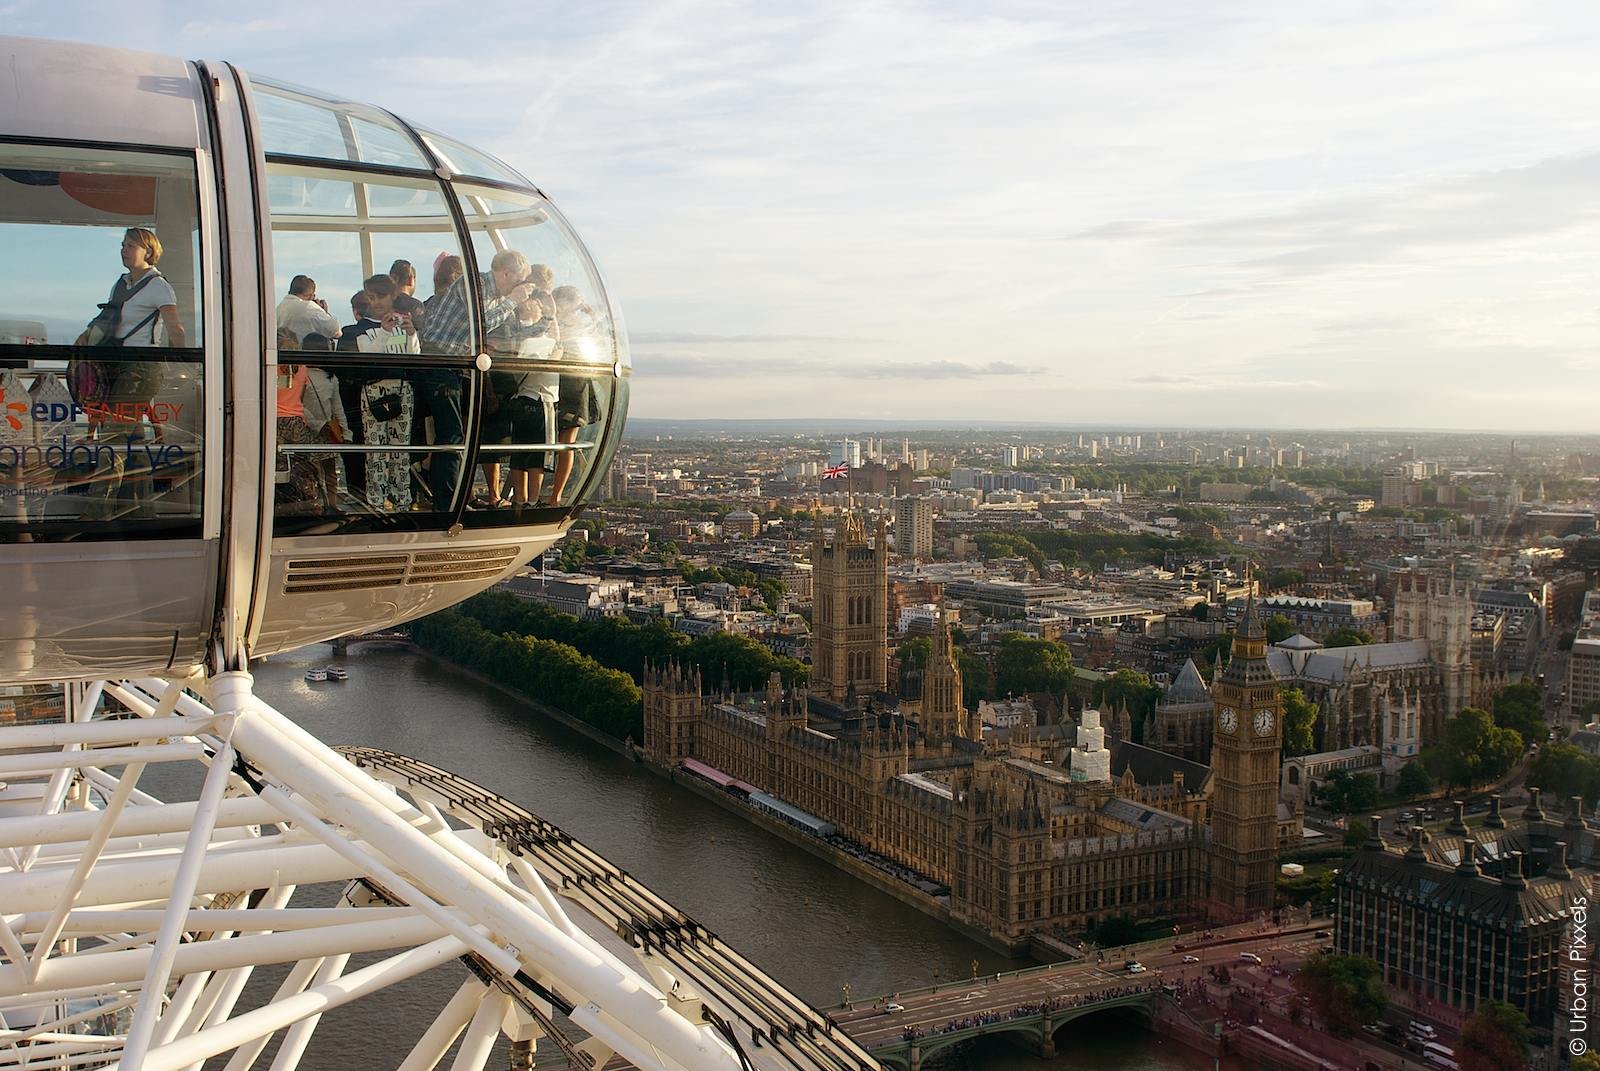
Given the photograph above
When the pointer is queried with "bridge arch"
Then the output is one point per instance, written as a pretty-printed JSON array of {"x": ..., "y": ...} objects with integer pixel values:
[{"x": 1141, "y": 1006}]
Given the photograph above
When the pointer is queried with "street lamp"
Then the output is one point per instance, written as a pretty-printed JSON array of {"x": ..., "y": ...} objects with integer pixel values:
[{"x": 845, "y": 991}]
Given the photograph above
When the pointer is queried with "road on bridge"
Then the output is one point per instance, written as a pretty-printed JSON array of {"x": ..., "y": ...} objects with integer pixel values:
[{"x": 929, "y": 1011}]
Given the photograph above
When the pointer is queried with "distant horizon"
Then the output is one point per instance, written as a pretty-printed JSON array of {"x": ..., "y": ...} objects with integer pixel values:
[{"x": 832, "y": 425}]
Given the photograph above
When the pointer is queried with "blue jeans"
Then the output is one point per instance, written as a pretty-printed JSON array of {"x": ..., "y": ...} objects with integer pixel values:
[{"x": 441, "y": 393}]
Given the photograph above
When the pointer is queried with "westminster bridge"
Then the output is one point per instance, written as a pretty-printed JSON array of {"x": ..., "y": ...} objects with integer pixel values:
[{"x": 1034, "y": 1006}]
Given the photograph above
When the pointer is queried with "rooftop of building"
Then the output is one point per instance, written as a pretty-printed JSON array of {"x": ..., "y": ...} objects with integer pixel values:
[
  {"x": 1526, "y": 871},
  {"x": 1336, "y": 665},
  {"x": 1188, "y": 687}
]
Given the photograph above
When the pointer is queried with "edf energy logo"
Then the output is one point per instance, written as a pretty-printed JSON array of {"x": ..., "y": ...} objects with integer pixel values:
[{"x": 12, "y": 411}]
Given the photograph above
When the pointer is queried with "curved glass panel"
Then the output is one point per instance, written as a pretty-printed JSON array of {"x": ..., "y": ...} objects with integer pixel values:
[
  {"x": 544, "y": 426},
  {"x": 611, "y": 437},
  {"x": 465, "y": 160},
  {"x": 334, "y": 231},
  {"x": 363, "y": 446},
  {"x": 526, "y": 252},
  {"x": 299, "y": 122},
  {"x": 101, "y": 388}
]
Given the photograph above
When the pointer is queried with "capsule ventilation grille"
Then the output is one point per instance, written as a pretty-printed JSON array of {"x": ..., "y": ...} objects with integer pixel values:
[{"x": 374, "y": 571}]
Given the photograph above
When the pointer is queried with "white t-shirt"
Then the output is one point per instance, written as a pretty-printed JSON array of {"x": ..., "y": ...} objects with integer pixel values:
[
  {"x": 152, "y": 297},
  {"x": 306, "y": 317},
  {"x": 377, "y": 340}
]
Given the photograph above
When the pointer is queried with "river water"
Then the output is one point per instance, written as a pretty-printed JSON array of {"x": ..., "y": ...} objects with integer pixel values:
[{"x": 812, "y": 927}]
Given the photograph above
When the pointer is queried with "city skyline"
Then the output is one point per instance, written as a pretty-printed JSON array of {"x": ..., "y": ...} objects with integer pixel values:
[{"x": 1167, "y": 217}]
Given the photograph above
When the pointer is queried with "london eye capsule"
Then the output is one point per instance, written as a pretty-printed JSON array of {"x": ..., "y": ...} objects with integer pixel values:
[{"x": 275, "y": 367}]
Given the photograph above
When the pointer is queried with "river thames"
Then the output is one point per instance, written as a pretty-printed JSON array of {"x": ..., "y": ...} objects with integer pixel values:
[{"x": 814, "y": 928}]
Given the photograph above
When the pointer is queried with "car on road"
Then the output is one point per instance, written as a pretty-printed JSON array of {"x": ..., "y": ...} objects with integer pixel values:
[
  {"x": 891, "y": 1008},
  {"x": 1249, "y": 957},
  {"x": 1133, "y": 966},
  {"x": 1406, "y": 816},
  {"x": 1374, "y": 1029},
  {"x": 1322, "y": 934},
  {"x": 1191, "y": 959},
  {"x": 1423, "y": 1030}
]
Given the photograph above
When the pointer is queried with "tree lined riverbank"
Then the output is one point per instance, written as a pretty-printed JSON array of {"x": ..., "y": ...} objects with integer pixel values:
[{"x": 813, "y": 927}]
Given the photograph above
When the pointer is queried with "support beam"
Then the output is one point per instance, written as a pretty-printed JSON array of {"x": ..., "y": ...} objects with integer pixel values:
[
  {"x": 572, "y": 965},
  {"x": 260, "y": 864},
  {"x": 137, "y": 821},
  {"x": 443, "y": 1031},
  {"x": 481, "y": 1033},
  {"x": 86, "y": 861},
  {"x": 122, "y": 731},
  {"x": 298, "y": 1036},
  {"x": 266, "y": 1020},
  {"x": 125, "y": 969},
  {"x": 42, "y": 762},
  {"x": 299, "y": 977}
]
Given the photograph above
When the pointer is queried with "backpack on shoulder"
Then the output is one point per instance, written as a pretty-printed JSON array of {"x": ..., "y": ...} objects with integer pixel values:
[{"x": 106, "y": 328}]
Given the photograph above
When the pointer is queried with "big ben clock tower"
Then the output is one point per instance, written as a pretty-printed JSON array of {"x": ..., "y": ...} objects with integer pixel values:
[{"x": 1246, "y": 745}]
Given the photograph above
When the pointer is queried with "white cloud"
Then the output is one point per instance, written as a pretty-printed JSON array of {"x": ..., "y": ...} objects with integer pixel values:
[{"x": 1233, "y": 199}]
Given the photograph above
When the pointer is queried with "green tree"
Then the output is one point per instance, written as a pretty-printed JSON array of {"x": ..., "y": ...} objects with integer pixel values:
[
  {"x": 1563, "y": 770},
  {"x": 1356, "y": 834},
  {"x": 915, "y": 652},
  {"x": 1345, "y": 991},
  {"x": 1495, "y": 1038},
  {"x": 1133, "y": 688},
  {"x": 1520, "y": 707},
  {"x": 1279, "y": 628},
  {"x": 1348, "y": 637},
  {"x": 1024, "y": 664},
  {"x": 572, "y": 555},
  {"x": 1200, "y": 611},
  {"x": 1473, "y": 749},
  {"x": 1117, "y": 930},
  {"x": 1299, "y": 723},
  {"x": 1284, "y": 578},
  {"x": 1414, "y": 780},
  {"x": 1349, "y": 793},
  {"x": 772, "y": 591},
  {"x": 976, "y": 680},
  {"x": 1589, "y": 1061}
]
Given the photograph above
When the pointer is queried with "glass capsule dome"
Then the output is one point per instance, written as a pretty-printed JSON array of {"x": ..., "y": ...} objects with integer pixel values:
[{"x": 275, "y": 366}]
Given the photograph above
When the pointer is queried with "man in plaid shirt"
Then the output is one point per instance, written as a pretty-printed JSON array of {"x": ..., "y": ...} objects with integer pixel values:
[{"x": 507, "y": 306}]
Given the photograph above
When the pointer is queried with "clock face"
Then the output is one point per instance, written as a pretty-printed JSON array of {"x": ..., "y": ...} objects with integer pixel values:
[
  {"x": 1263, "y": 722},
  {"x": 1229, "y": 721}
]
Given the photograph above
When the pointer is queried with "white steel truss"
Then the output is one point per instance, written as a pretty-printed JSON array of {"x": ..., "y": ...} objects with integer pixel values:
[{"x": 129, "y": 927}]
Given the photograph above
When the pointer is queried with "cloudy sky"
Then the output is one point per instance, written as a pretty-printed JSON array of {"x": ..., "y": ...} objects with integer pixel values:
[{"x": 1201, "y": 212}]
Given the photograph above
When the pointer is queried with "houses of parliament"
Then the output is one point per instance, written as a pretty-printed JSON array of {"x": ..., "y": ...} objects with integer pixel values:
[{"x": 1041, "y": 830}]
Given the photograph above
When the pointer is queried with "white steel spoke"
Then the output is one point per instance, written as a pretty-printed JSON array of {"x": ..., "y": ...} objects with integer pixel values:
[
  {"x": 86, "y": 861},
  {"x": 443, "y": 1031},
  {"x": 273, "y": 1017},
  {"x": 157, "y": 913},
  {"x": 298, "y": 1036},
  {"x": 481, "y": 1032},
  {"x": 183, "y": 888},
  {"x": 11, "y": 945},
  {"x": 298, "y": 978}
]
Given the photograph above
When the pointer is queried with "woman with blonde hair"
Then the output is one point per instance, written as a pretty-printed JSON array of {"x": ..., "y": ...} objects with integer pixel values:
[{"x": 142, "y": 312}]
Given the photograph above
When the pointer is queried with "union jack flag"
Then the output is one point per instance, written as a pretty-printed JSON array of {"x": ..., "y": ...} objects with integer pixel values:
[{"x": 835, "y": 472}]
